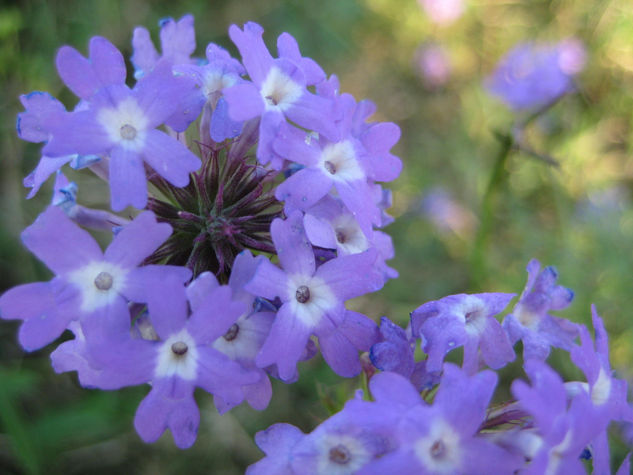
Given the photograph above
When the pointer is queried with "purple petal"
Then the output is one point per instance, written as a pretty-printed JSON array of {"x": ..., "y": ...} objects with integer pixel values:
[
  {"x": 287, "y": 47},
  {"x": 37, "y": 304},
  {"x": 178, "y": 39},
  {"x": 33, "y": 124},
  {"x": 222, "y": 126},
  {"x": 277, "y": 442},
  {"x": 199, "y": 289},
  {"x": 394, "y": 389},
  {"x": 255, "y": 56},
  {"x": 169, "y": 404},
  {"x": 221, "y": 376},
  {"x": 285, "y": 343},
  {"x": 294, "y": 251},
  {"x": 145, "y": 55},
  {"x": 258, "y": 394},
  {"x": 59, "y": 243},
  {"x": 45, "y": 168},
  {"x": 496, "y": 348},
  {"x": 296, "y": 145},
  {"x": 351, "y": 276},
  {"x": 161, "y": 287},
  {"x": 319, "y": 231},
  {"x": 170, "y": 158},
  {"x": 269, "y": 281},
  {"x": 244, "y": 101},
  {"x": 137, "y": 240},
  {"x": 107, "y": 62},
  {"x": 303, "y": 189},
  {"x": 315, "y": 113},
  {"x": 215, "y": 315},
  {"x": 340, "y": 354},
  {"x": 128, "y": 185},
  {"x": 160, "y": 93},
  {"x": 76, "y": 72},
  {"x": 77, "y": 133}
]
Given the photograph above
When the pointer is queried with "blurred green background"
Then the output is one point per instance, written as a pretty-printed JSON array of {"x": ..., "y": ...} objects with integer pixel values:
[{"x": 577, "y": 217}]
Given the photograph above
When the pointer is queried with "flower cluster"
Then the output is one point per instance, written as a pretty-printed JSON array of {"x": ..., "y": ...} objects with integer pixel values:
[
  {"x": 178, "y": 300},
  {"x": 260, "y": 214},
  {"x": 431, "y": 416}
]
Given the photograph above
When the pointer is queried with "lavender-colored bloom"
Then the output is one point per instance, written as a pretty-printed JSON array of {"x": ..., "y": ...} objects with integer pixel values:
[
  {"x": 221, "y": 72},
  {"x": 246, "y": 335},
  {"x": 178, "y": 358},
  {"x": 85, "y": 76},
  {"x": 395, "y": 352},
  {"x": 345, "y": 164},
  {"x": 33, "y": 126},
  {"x": 90, "y": 286},
  {"x": 533, "y": 75},
  {"x": 278, "y": 89},
  {"x": 277, "y": 443},
  {"x": 608, "y": 394},
  {"x": 464, "y": 320},
  {"x": 312, "y": 302},
  {"x": 330, "y": 225},
  {"x": 442, "y": 438},
  {"x": 530, "y": 320},
  {"x": 122, "y": 123},
  {"x": 177, "y": 41},
  {"x": 563, "y": 430}
]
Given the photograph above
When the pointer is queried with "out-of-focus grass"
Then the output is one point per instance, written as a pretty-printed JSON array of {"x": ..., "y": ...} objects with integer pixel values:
[{"x": 577, "y": 217}]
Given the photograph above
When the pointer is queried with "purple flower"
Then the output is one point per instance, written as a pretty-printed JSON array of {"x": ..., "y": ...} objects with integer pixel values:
[
  {"x": 246, "y": 335},
  {"x": 464, "y": 320},
  {"x": 442, "y": 438},
  {"x": 563, "y": 431},
  {"x": 608, "y": 394},
  {"x": 177, "y": 40},
  {"x": 104, "y": 67},
  {"x": 530, "y": 320},
  {"x": 220, "y": 72},
  {"x": 433, "y": 65},
  {"x": 278, "y": 90},
  {"x": 313, "y": 302},
  {"x": 533, "y": 75},
  {"x": 345, "y": 165},
  {"x": 122, "y": 123},
  {"x": 90, "y": 286},
  {"x": 395, "y": 352}
]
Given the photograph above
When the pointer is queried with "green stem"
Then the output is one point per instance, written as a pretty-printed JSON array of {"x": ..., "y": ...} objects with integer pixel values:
[{"x": 497, "y": 176}]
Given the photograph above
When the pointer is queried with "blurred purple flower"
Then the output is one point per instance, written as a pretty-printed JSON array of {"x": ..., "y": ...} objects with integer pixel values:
[{"x": 532, "y": 75}]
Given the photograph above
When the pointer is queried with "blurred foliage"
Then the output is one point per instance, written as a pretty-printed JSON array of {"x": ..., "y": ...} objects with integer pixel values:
[{"x": 577, "y": 216}]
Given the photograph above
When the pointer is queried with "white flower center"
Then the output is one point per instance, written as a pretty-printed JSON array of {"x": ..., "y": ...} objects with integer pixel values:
[
  {"x": 473, "y": 310},
  {"x": 215, "y": 81},
  {"x": 339, "y": 161},
  {"x": 177, "y": 356},
  {"x": 349, "y": 236},
  {"x": 341, "y": 454},
  {"x": 126, "y": 124},
  {"x": 310, "y": 298},
  {"x": 244, "y": 339},
  {"x": 279, "y": 90},
  {"x": 439, "y": 451},
  {"x": 99, "y": 283}
]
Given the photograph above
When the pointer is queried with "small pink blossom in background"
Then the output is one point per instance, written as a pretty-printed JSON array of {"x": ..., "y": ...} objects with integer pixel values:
[
  {"x": 433, "y": 64},
  {"x": 572, "y": 56},
  {"x": 443, "y": 12}
]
